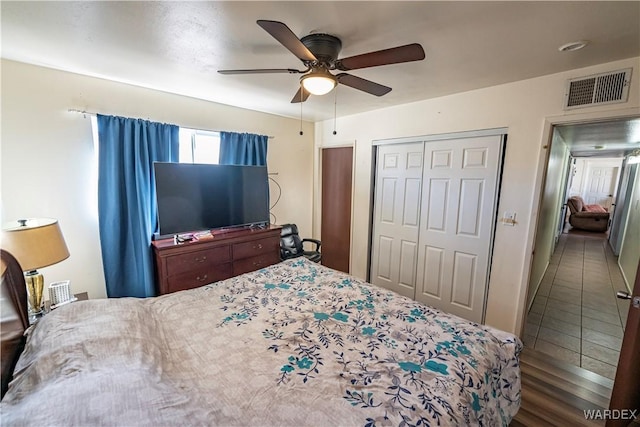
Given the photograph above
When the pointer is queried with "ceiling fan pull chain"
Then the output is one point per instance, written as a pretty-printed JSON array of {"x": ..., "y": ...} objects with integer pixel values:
[
  {"x": 301, "y": 102},
  {"x": 335, "y": 106}
]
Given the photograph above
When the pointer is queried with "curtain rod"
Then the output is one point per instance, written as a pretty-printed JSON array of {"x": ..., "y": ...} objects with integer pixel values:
[{"x": 91, "y": 113}]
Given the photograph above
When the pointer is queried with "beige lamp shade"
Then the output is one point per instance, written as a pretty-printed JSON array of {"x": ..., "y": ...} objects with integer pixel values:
[{"x": 34, "y": 242}]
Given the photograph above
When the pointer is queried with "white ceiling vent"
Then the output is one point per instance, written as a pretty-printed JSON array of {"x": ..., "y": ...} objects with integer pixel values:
[{"x": 598, "y": 89}]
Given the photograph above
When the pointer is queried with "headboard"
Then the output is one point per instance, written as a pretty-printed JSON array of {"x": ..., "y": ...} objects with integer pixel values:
[{"x": 14, "y": 318}]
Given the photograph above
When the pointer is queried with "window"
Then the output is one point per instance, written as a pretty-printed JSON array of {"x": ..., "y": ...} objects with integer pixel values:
[{"x": 199, "y": 146}]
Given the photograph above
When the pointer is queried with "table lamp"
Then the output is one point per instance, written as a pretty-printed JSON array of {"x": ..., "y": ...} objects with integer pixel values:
[{"x": 35, "y": 243}]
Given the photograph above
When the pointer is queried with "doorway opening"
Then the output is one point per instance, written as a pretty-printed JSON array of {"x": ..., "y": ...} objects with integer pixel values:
[{"x": 572, "y": 310}]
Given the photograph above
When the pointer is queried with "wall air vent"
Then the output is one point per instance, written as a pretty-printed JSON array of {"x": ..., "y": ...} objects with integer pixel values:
[{"x": 598, "y": 89}]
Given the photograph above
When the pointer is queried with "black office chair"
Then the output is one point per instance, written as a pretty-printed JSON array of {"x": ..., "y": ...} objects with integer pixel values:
[{"x": 291, "y": 246}]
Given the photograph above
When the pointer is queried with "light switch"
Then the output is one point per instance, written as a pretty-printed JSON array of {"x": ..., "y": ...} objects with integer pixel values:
[{"x": 509, "y": 218}]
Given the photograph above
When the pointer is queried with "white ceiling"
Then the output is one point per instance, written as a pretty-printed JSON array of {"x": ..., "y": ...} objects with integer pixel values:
[
  {"x": 178, "y": 47},
  {"x": 613, "y": 138}
]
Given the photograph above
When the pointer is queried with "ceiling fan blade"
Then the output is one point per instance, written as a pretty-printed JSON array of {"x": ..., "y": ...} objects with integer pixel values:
[
  {"x": 300, "y": 96},
  {"x": 287, "y": 38},
  {"x": 263, "y": 71},
  {"x": 363, "y": 84},
  {"x": 395, "y": 55}
]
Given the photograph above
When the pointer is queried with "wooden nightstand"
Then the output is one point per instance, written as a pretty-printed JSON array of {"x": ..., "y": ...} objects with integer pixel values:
[{"x": 82, "y": 296}]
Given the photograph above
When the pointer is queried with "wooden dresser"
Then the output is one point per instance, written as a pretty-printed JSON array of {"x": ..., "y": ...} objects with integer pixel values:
[{"x": 181, "y": 266}]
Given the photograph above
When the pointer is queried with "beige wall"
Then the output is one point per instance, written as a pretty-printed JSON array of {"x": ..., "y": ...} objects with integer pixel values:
[
  {"x": 48, "y": 164},
  {"x": 527, "y": 108}
]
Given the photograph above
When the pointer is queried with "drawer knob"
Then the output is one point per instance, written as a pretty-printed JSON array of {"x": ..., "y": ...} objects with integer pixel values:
[
  {"x": 259, "y": 246},
  {"x": 203, "y": 259},
  {"x": 201, "y": 279}
]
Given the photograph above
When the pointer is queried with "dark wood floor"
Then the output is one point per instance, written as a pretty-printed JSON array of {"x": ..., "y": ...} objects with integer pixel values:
[{"x": 556, "y": 393}]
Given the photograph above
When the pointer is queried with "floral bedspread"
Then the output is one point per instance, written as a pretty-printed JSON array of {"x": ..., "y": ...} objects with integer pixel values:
[
  {"x": 397, "y": 360},
  {"x": 292, "y": 344}
]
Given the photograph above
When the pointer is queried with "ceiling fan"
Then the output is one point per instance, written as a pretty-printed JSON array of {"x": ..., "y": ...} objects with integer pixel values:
[{"x": 319, "y": 54}]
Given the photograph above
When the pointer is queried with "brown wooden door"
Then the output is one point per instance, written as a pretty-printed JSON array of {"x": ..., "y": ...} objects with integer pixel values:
[
  {"x": 626, "y": 389},
  {"x": 337, "y": 168}
]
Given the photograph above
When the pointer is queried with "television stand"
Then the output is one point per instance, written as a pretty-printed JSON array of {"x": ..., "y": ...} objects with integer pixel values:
[{"x": 229, "y": 253}]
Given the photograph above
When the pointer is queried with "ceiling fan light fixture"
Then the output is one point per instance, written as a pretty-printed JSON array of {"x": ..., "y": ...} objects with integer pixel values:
[{"x": 318, "y": 83}]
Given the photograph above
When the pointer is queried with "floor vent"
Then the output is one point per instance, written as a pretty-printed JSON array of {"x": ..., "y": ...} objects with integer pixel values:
[{"x": 605, "y": 88}]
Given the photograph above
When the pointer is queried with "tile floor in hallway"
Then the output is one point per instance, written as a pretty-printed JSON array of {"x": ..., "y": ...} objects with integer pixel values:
[{"x": 575, "y": 315}]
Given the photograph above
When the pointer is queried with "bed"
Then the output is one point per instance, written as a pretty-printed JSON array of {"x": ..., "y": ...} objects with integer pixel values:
[{"x": 294, "y": 344}]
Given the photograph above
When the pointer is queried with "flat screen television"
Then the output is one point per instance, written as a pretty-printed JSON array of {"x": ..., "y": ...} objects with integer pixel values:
[{"x": 195, "y": 197}]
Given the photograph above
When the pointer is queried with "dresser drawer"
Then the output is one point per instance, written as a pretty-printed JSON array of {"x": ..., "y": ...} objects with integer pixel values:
[
  {"x": 194, "y": 264},
  {"x": 246, "y": 265},
  {"x": 192, "y": 261},
  {"x": 201, "y": 277},
  {"x": 256, "y": 247}
]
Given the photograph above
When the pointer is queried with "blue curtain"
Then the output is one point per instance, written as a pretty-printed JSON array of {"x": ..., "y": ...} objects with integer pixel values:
[
  {"x": 126, "y": 199},
  {"x": 243, "y": 149}
]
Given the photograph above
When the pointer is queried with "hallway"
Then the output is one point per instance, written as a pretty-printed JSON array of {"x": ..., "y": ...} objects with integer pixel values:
[{"x": 575, "y": 315}]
